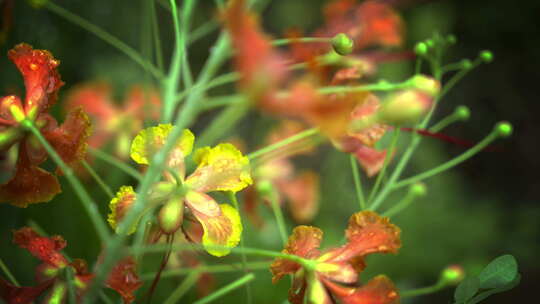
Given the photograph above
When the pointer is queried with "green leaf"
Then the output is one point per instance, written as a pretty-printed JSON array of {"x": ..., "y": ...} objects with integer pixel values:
[
  {"x": 466, "y": 290},
  {"x": 499, "y": 273},
  {"x": 484, "y": 294}
]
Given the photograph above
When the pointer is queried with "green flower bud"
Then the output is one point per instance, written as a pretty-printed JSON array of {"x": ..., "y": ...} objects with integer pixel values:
[
  {"x": 462, "y": 112},
  {"x": 421, "y": 49},
  {"x": 418, "y": 189},
  {"x": 426, "y": 84},
  {"x": 404, "y": 107},
  {"x": 452, "y": 275},
  {"x": 342, "y": 44},
  {"x": 466, "y": 64},
  {"x": 486, "y": 56},
  {"x": 171, "y": 215},
  {"x": 504, "y": 129},
  {"x": 265, "y": 188},
  {"x": 37, "y": 3}
]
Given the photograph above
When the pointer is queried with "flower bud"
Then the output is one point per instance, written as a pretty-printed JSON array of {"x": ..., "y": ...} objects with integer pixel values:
[
  {"x": 404, "y": 107},
  {"x": 37, "y": 3},
  {"x": 418, "y": 189},
  {"x": 486, "y": 56},
  {"x": 426, "y": 84},
  {"x": 466, "y": 64},
  {"x": 342, "y": 44},
  {"x": 265, "y": 188},
  {"x": 171, "y": 215},
  {"x": 452, "y": 275},
  {"x": 421, "y": 49},
  {"x": 504, "y": 129},
  {"x": 462, "y": 112}
]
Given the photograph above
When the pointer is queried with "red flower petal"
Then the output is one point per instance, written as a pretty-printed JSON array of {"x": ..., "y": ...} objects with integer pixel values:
[
  {"x": 260, "y": 66},
  {"x": 69, "y": 140},
  {"x": 22, "y": 295},
  {"x": 370, "y": 159},
  {"x": 44, "y": 248},
  {"x": 379, "y": 290},
  {"x": 124, "y": 279},
  {"x": 41, "y": 79},
  {"x": 30, "y": 184},
  {"x": 302, "y": 193},
  {"x": 367, "y": 233},
  {"x": 304, "y": 242}
]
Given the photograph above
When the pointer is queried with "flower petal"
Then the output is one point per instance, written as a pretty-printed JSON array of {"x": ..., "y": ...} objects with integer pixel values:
[
  {"x": 124, "y": 279},
  {"x": 23, "y": 294},
  {"x": 379, "y": 290},
  {"x": 222, "y": 168},
  {"x": 30, "y": 184},
  {"x": 221, "y": 223},
  {"x": 120, "y": 205},
  {"x": 69, "y": 140},
  {"x": 367, "y": 233},
  {"x": 44, "y": 248},
  {"x": 302, "y": 193},
  {"x": 41, "y": 79},
  {"x": 151, "y": 140},
  {"x": 303, "y": 242}
]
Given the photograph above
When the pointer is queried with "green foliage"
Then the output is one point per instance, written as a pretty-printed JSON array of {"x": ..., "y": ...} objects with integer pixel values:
[{"x": 498, "y": 276}]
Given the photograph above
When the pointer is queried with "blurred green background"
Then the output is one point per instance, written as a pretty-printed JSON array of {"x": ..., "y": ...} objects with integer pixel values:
[{"x": 478, "y": 211}]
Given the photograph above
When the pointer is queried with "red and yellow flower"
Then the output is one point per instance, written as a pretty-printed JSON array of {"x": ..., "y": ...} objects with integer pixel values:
[{"x": 329, "y": 275}]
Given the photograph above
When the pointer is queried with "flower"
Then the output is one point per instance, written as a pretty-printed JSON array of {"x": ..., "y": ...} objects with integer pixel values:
[
  {"x": 30, "y": 184},
  {"x": 123, "y": 277},
  {"x": 221, "y": 168},
  {"x": 323, "y": 275},
  {"x": 277, "y": 179},
  {"x": 111, "y": 120}
]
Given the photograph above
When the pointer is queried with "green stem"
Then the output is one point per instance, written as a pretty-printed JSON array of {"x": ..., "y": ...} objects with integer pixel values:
[
  {"x": 279, "y": 42},
  {"x": 210, "y": 269},
  {"x": 401, "y": 205},
  {"x": 115, "y": 162},
  {"x": 170, "y": 85},
  {"x": 232, "y": 197},
  {"x": 183, "y": 288},
  {"x": 156, "y": 35},
  {"x": 381, "y": 174},
  {"x": 280, "y": 219},
  {"x": 451, "y": 163},
  {"x": 8, "y": 273},
  {"x": 70, "y": 277},
  {"x": 282, "y": 143},
  {"x": 445, "y": 122},
  {"x": 88, "y": 204},
  {"x": 98, "y": 179},
  {"x": 103, "y": 35},
  {"x": 381, "y": 86},
  {"x": 424, "y": 290},
  {"x": 357, "y": 183},
  {"x": 228, "y": 288},
  {"x": 202, "y": 31},
  {"x": 225, "y": 121}
]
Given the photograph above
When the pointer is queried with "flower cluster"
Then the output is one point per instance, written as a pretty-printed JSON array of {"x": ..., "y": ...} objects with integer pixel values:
[
  {"x": 221, "y": 168},
  {"x": 28, "y": 183},
  {"x": 51, "y": 275},
  {"x": 327, "y": 275}
]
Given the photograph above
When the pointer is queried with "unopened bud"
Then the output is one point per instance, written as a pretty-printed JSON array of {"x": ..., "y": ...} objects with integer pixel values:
[
  {"x": 452, "y": 275},
  {"x": 171, "y": 215},
  {"x": 342, "y": 44},
  {"x": 504, "y": 129},
  {"x": 265, "y": 188},
  {"x": 37, "y": 3},
  {"x": 451, "y": 39},
  {"x": 418, "y": 189},
  {"x": 404, "y": 107},
  {"x": 486, "y": 56},
  {"x": 462, "y": 112},
  {"x": 421, "y": 49},
  {"x": 466, "y": 64},
  {"x": 426, "y": 84}
]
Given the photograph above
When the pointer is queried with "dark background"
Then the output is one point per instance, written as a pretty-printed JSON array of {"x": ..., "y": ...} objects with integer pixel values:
[{"x": 482, "y": 209}]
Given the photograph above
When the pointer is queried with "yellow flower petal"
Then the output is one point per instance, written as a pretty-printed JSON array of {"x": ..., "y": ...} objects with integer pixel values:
[
  {"x": 150, "y": 140},
  {"x": 222, "y": 168},
  {"x": 120, "y": 205},
  {"x": 221, "y": 223}
]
